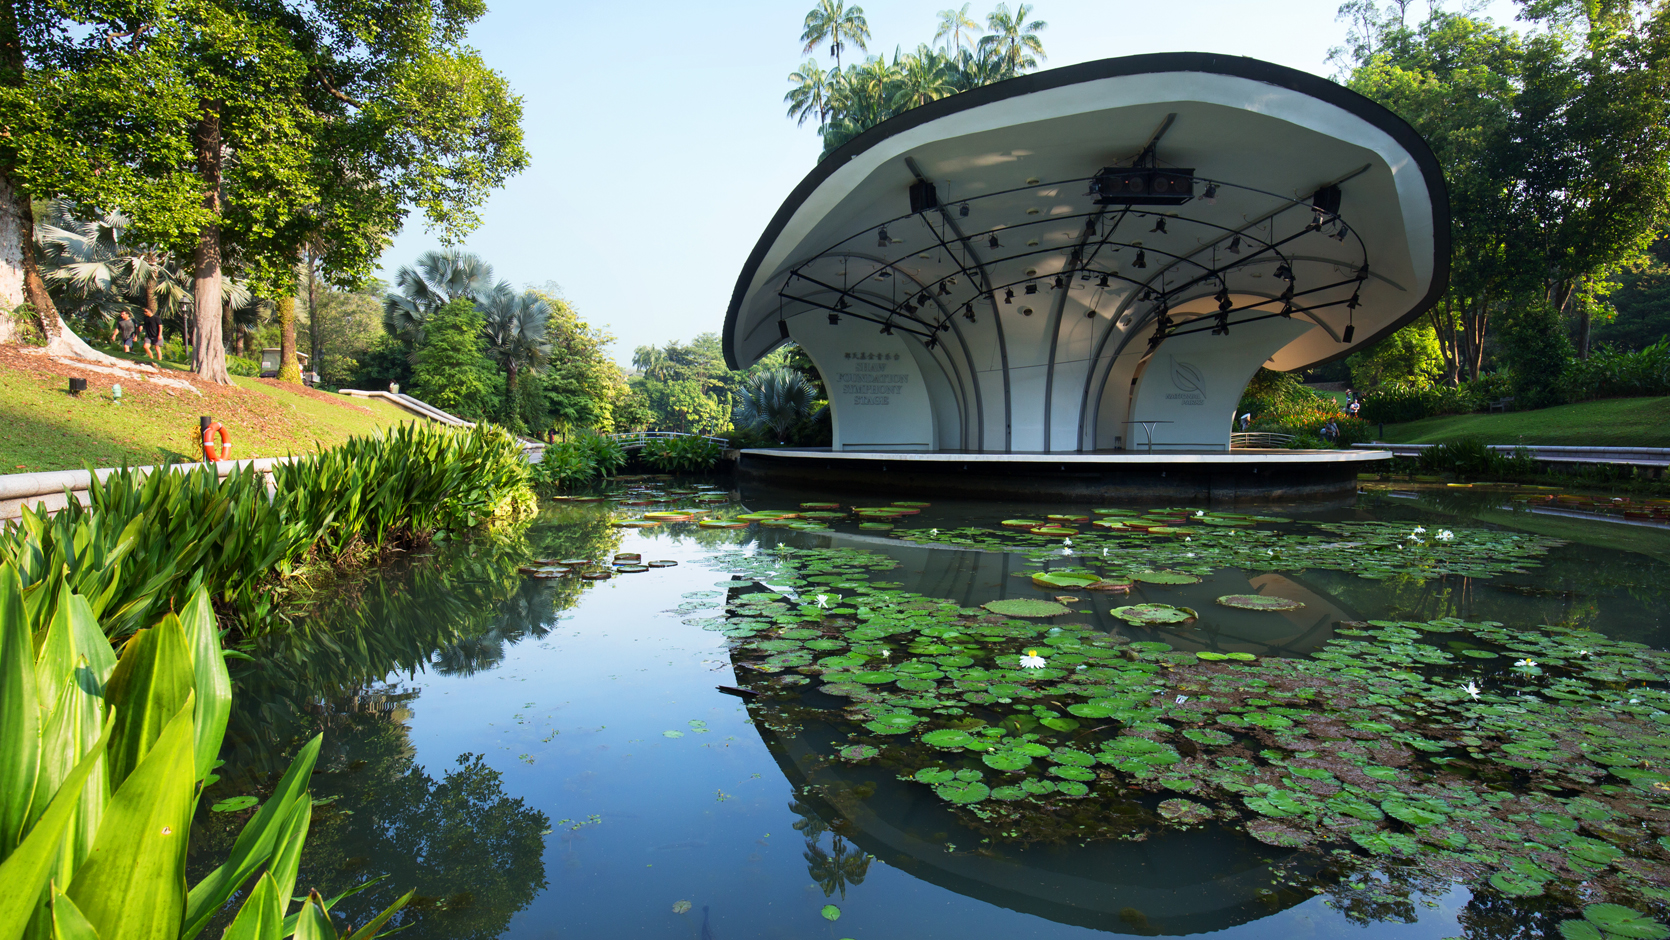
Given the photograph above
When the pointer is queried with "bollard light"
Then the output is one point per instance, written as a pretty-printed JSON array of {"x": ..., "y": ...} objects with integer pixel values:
[
  {"x": 77, "y": 386},
  {"x": 116, "y": 394}
]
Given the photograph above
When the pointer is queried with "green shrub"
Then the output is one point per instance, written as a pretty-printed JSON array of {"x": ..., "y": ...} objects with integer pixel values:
[
  {"x": 237, "y": 365},
  {"x": 682, "y": 454},
  {"x": 607, "y": 454},
  {"x": 566, "y": 464},
  {"x": 1469, "y": 457},
  {"x": 1608, "y": 373}
]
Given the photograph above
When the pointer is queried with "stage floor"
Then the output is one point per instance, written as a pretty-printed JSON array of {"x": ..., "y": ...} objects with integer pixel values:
[{"x": 1217, "y": 477}]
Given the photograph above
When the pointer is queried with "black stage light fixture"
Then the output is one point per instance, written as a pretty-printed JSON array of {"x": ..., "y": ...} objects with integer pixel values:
[
  {"x": 1142, "y": 259},
  {"x": 1060, "y": 283},
  {"x": 1222, "y": 297},
  {"x": 909, "y": 308},
  {"x": 1221, "y": 327},
  {"x": 1103, "y": 282},
  {"x": 1339, "y": 236},
  {"x": 932, "y": 342},
  {"x": 962, "y": 210},
  {"x": 882, "y": 240},
  {"x": 783, "y": 328},
  {"x": 1085, "y": 276},
  {"x": 968, "y": 311},
  {"x": 943, "y": 290},
  {"x": 923, "y": 299},
  {"x": 1090, "y": 226},
  {"x": 1210, "y": 197},
  {"x": 1355, "y": 301},
  {"x": 923, "y": 196},
  {"x": 1008, "y": 295},
  {"x": 1032, "y": 288},
  {"x": 841, "y": 304},
  {"x": 1285, "y": 272},
  {"x": 1287, "y": 310},
  {"x": 1350, "y": 331},
  {"x": 993, "y": 243},
  {"x": 1235, "y": 245},
  {"x": 883, "y": 274},
  {"x": 1143, "y": 186},
  {"x": 887, "y": 329},
  {"x": 1159, "y": 226},
  {"x": 1326, "y": 200},
  {"x": 945, "y": 325},
  {"x": 1287, "y": 295},
  {"x": 834, "y": 319}
]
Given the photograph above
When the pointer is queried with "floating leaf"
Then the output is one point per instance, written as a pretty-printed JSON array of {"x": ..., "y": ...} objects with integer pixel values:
[
  {"x": 1258, "y": 602},
  {"x": 830, "y": 912},
  {"x": 1184, "y": 811},
  {"x": 234, "y": 804},
  {"x": 1620, "y": 921},
  {"x": 1143, "y": 614},
  {"x": 857, "y": 752},
  {"x": 1164, "y": 577},
  {"x": 1025, "y": 607},
  {"x": 948, "y": 738},
  {"x": 963, "y": 791}
]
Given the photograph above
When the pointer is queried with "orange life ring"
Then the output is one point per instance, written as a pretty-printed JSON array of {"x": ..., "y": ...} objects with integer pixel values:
[{"x": 208, "y": 444}]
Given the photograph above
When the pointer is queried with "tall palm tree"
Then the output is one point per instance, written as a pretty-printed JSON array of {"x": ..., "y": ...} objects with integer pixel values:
[
  {"x": 830, "y": 21},
  {"x": 956, "y": 28},
  {"x": 921, "y": 78},
  {"x": 810, "y": 94},
  {"x": 438, "y": 278},
  {"x": 652, "y": 362},
  {"x": 1013, "y": 40},
  {"x": 100, "y": 273},
  {"x": 516, "y": 334}
]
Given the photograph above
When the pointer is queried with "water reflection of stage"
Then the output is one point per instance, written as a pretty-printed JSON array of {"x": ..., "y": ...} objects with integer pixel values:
[{"x": 1174, "y": 882}]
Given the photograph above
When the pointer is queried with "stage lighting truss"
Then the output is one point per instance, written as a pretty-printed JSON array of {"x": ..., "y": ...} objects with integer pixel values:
[{"x": 1146, "y": 261}]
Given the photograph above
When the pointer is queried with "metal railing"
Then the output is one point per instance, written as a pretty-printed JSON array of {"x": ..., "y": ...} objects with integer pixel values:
[{"x": 1259, "y": 440}]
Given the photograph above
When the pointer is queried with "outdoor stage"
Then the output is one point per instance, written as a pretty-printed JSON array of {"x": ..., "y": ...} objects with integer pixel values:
[{"x": 1203, "y": 478}]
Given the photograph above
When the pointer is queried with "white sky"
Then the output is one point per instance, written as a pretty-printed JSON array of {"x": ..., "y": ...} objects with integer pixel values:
[{"x": 660, "y": 150}]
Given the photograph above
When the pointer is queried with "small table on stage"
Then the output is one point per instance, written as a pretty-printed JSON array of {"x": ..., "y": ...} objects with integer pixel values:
[{"x": 1148, "y": 429}]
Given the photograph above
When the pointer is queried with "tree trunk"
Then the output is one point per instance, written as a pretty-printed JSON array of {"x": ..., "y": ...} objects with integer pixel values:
[
  {"x": 288, "y": 369},
  {"x": 313, "y": 342},
  {"x": 208, "y": 355}
]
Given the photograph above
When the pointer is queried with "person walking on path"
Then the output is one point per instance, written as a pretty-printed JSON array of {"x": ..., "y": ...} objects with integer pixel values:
[
  {"x": 151, "y": 324},
  {"x": 125, "y": 327}
]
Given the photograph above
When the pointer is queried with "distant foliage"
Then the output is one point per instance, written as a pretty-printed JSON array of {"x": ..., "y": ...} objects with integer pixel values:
[
  {"x": 682, "y": 454},
  {"x": 238, "y": 365},
  {"x": 776, "y": 400},
  {"x": 579, "y": 461},
  {"x": 1469, "y": 457},
  {"x": 1395, "y": 403},
  {"x": 1608, "y": 373},
  {"x": 1281, "y": 404},
  {"x": 453, "y": 372}
]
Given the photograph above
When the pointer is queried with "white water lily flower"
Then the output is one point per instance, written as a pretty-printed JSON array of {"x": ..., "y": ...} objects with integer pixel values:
[
  {"x": 1445, "y": 535},
  {"x": 1420, "y": 530},
  {"x": 1032, "y": 661},
  {"x": 1471, "y": 688},
  {"x": 1582, "y": 652},
  {"x": 1066, "y": 541},
  {"x": 823, "y": 600},
  {"x": 1188, "y": 538},
  {"x": 1181, "y": 699},
  {"x": 933, "y": 532},
  {"x": 1200, "y": 513},
  {"x": 1526, "y": 663}
]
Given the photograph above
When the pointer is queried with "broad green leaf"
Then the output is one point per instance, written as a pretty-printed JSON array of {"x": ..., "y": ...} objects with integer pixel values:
[
  {"x": 90, "y": 642},
  {"x": 19, "y": 712},
  {"x": 132, "y": 885},
  {"x": 255, "y": 844},
  {"x": 23, "y": 876},
  {"x": 315, "y": 922},
  {"x": 287, "y": 858},
  {"x": 70, "y": 733},
  {"x": 55, "y": 658},
  {"x": 152, "y": 680},
  {"x": 262, "y": 915},
  {"x": 68, "y": 923},
  {"x": 375, "y": 924},
  {"x": 213, "y": 683}
]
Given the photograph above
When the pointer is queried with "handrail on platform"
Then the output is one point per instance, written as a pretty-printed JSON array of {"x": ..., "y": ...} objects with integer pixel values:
[
  {"x": 640, "y": 438},
  {"x": 1265, "y": 440}
]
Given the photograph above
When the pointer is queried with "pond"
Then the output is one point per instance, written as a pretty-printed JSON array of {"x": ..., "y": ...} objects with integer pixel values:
[{"x": 1431, "y": 713}]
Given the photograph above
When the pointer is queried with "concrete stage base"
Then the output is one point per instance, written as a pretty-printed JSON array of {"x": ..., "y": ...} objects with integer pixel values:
[{"x": 1239, "y": 476}]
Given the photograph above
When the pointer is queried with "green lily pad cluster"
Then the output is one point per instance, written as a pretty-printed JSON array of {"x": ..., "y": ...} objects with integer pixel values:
[
  {"x": 1539, "y": 771},
  {"x": 1200, "y": 542}
]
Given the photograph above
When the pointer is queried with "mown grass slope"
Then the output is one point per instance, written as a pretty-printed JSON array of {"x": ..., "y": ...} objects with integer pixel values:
[
  {"x": 47, "y": 428},
  {"x": 1613, "y": 422}
]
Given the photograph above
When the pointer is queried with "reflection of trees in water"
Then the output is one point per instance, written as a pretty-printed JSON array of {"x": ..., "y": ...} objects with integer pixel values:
[
  {"x": 1401, "y": 891},
  {"x": 837, "y": 868},
  {"x": 473, "y": 853}
]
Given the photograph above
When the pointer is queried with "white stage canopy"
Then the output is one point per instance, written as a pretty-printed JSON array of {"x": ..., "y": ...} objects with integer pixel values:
[{"x": 1082, "y": 258}]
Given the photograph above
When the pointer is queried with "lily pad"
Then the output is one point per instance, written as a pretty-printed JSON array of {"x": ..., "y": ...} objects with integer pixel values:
[
  {"x": 1025, "y": 607},
  {"x": 948, "y": 739},
  {"x": 1164, "y": 577},
  {"x": 234, "y": 804},
  {"x": 1619, "y": 921},
  {"x": 830, "y": 912},
  {"x": 1061, "y": 579},
  {"x": 963, "y": 791},
  {"x": 1184, "y": 811},
  {"x": 1143, "y": 614},
  {"x": 1258, "y": 602},
  {"x": 859, "y": 752}
]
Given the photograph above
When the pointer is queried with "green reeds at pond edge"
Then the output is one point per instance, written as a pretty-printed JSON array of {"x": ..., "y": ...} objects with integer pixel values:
[
  {"x": 142, "y": 544},
  {"x": 102, "y": 761}
]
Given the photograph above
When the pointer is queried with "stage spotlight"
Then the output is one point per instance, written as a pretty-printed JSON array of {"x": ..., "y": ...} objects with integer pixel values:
[
  {"x": 834, "y": 319},
  {"x": 1009, "y": 295},
  {"x": 1235, "y": 245},
  {"x": 881, "y": 238},
  {"x": 1159, "y": 226},
  {"x": 1142, "y": 259}
]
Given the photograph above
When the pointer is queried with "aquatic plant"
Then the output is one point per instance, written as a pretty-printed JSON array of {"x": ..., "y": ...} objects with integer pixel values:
[
  {"x": 688, "y": 454},
  {"x": 1391, "y": 742}
]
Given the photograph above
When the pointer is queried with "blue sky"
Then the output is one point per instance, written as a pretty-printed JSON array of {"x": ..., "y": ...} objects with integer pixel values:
[{"x": 660, "y": 148}]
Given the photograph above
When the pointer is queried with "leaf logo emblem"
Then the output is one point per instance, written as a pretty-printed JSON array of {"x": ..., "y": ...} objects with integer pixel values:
[{"x": 1186, "y": 376}]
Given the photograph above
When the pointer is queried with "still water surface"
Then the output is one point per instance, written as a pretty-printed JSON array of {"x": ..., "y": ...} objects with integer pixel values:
[{"x": 545, "y": 759}]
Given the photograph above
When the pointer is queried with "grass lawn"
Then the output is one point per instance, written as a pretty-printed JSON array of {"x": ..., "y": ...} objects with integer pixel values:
[
  {"x": 49, "y": 429},
  {"x": 1613, "y": 422}
]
